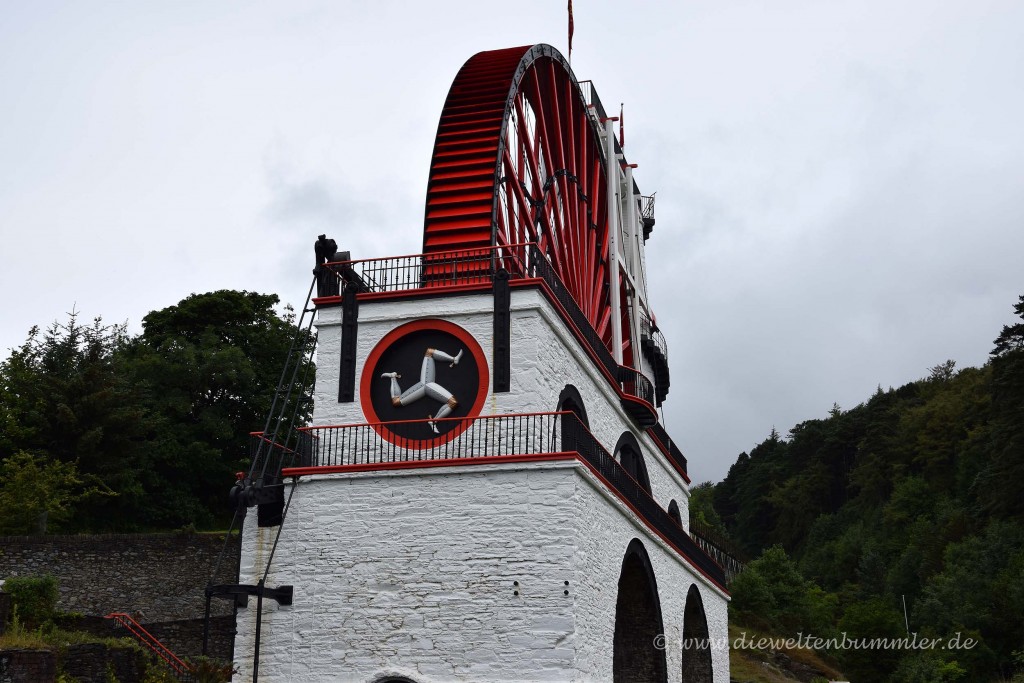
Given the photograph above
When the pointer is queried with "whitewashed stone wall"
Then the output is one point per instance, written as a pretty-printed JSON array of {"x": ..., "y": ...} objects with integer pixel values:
[
  {"x": 609, "y": 528},
  {"x": 413, "y": 572},
  {"x": 545, "y": 357}
]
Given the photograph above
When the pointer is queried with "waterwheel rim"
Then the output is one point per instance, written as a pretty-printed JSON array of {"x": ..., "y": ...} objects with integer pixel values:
[{"x": 519, "y": 159}]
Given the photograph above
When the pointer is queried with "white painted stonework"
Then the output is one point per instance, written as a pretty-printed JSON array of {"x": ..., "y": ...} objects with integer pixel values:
[
  {"x": 545, "y": 357},
  {"x": 414, "y": 573},
  {"x": 483, "y": 572}
]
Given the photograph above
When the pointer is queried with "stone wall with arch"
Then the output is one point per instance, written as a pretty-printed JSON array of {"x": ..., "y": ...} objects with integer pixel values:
[
  {"x": 613, "y": 528},
  {"x": 697, "y": 663},
  {"x": 638, "y": 621}
]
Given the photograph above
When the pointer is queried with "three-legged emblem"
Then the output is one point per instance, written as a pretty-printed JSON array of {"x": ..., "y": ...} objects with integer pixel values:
[{"x": 426, "y": 386}]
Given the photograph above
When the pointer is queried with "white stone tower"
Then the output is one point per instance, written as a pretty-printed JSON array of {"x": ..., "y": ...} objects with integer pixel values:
[{"x": 486, "y": 493}]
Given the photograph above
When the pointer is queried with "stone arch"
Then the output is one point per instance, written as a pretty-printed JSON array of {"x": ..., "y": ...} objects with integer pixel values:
[
  {"x": 571, "y": 401},
  {"x": 638, "y": 624},
  {"x": 696, "y": 641},
  {"x": 631, "y": 457},
  {"x": 673, "y": 512}
]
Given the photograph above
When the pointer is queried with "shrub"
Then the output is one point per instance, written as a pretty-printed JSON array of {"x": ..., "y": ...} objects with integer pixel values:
[
  {"x": 207, "y": 670},
  {"x": 34, "y": 599}
]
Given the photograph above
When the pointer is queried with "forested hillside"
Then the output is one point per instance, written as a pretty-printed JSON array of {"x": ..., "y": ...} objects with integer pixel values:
[
  {"x": 913, "y": 495},
  {"x": 102, "y": 431}
]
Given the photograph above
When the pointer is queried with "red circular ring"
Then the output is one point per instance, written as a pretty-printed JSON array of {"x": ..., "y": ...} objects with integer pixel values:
[{"x": 390, "y": 338}]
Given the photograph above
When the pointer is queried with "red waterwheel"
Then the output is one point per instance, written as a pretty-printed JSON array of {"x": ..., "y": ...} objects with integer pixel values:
[{"x": 518, "y": 159}]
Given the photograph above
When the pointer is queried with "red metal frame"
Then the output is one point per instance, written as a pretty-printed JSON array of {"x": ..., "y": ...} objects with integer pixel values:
[
  {"x": 416, "y": 464},
  {"x": 517, "y": 158},
  {"x": 273, "y": 444}
]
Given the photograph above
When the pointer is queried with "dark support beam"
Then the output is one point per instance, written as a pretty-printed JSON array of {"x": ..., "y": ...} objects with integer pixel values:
[
  {"x": 349, "y": 328},
  {"x": 502, "y": 332},
  {"x": 270, "y": 508},
  {"x": 239, "y": 594}
]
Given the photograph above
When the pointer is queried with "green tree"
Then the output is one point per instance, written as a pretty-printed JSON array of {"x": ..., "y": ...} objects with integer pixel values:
[
  {"x": 998, "y": 485},
  {"x": 928, "y": 667},
  {"x": 36, "y": 493},
  {"x": 702, "y": 507},
  {"x": 66, "y": 398},
  {"x": 979, "y": 589},
  {"x": 210, "y": 366},
  {"x": 161, "y": 421},
  {"x": 914, "y": 494},
  {"x": 742, "y": 499},
  {"x": 872, "y": 619},
  {"x": 771, "y": 593}
]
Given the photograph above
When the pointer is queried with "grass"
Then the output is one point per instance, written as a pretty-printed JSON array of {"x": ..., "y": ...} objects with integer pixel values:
[
  {"x": 55, "y": 639},
  {"x": 749, "y": 665},
  {"x": 50, "y": 637},
  {"x": 746, "y": 669},
  {"x": 23, "y": 641}
]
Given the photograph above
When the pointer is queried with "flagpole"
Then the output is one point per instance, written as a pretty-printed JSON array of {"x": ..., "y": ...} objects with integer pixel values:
[{"x": 570, "y": 33}]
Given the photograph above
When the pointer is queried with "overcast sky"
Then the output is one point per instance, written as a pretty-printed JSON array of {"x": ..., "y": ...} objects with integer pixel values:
[{"x": 840, "y": 185}]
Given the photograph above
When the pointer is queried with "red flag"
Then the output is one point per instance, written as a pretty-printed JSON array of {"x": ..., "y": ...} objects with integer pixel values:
[
  {"x": 570, "y": 30},
  {"x": 622, "y": 131}
]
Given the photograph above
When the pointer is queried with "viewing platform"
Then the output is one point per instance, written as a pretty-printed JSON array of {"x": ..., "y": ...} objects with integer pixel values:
[
  {"x": 477, "y": 270},
  {"x": 492, "y": 439}
]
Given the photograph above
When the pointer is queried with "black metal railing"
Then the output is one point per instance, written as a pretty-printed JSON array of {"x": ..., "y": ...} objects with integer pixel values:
[
  {"x": 597, "y": 112},
  {"x": 669, "y": 447},
  {"x": 591, "y": 99},
  {"x": 649, "y": 330},
  {"x": 540, "y": 267},
  {"x": 655, "y": 516},
  {"x": 636, "y": 384},
  {"x": 647, "y": 215},
  {"x": 654, "y": 347},
  {"x": 631, "y": 381},
  {"x": 723, "y": 551},
  {"x": 437, "y": 269},
  {"x": 494, "y": 436},
  {"x": 479, "y": 266},
  {"x": 481, "y": 437},
  {"x": 646, "y": 206}
]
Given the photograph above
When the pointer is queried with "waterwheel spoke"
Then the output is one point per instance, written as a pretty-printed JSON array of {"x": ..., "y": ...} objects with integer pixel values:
[{"x": 547, "y": 111}]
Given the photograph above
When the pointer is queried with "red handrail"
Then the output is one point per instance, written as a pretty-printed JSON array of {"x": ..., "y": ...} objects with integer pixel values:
[{"x": 149, "y": 640}]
